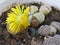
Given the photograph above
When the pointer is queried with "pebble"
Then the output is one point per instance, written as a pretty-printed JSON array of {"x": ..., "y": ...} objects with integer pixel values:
[
  {"x": 32, "y": 31},
  {"x": 36, "y": 42},
  {"x": 3, "y": 25},
  {"x": 1, "y": 35},
  {"x": 2, "y": 42},
  {"x": 13, "y": 42},
  {"x": 18, "y": 43}
]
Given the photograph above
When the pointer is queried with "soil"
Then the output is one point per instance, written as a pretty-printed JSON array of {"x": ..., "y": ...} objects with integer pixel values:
[{"x": 24, "y": 39}]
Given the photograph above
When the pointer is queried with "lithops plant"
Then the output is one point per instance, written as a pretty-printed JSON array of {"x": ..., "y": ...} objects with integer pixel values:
[
  {"x": 17, "y": 19},
  {"x": 53, "y": 30},
  {"x": 49, "y": 41},
  {"x": 46, "y": 30},
  {"x": 30, "y": 18},
  {"x": 33, "y": 9},
  {"x": 37, "y": 19},
  {"x": 56, "y": 25},
  {"x": 55, "y": 40},
  {"x": 45, "y": 9},
  {"x": 34, "y": 22}
]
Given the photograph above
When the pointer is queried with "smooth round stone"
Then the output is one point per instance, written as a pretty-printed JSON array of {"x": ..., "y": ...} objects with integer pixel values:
[{"x": 32, "y": 31}]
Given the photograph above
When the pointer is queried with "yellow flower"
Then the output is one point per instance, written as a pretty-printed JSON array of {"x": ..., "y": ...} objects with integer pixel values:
[{"x": 17, "y": 19}]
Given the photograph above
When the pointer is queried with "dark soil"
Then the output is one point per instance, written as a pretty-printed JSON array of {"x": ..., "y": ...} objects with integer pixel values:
[{"x": 24, "y": 38}]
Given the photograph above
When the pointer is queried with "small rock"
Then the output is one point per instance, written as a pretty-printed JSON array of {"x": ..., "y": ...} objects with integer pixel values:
[
  {"x": 18, "y": 43},
  {"x": 36, "y": 42},
  {"x": 3, "y": 25},
  {"x": 2, "y": 42},
  {"x": 1, "y": 35},
  {"x": 31, "y": 31},
  {"x": 13, "y": 42},
  {"x": 8, "y": 41},
  {"x": 24, "y": 40}
]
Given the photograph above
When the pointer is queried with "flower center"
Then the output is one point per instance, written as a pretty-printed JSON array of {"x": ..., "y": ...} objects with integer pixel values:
[{"x": 18, "y": 18}]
